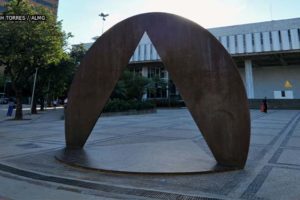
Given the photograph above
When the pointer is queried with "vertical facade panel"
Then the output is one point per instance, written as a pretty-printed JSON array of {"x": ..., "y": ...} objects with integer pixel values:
[
  {"x": 275, "y": 41},
  {"x": 295, "y": 43},
  {"x": 240, "y": 44},
  {"x": 232, "y": 48},
  {"x": 136, "y": 54},
  {"x": 148, "y": 49},
  {"x": 142, "y": 52},
  {"x": 224, "y": 41},
  {"x": 285, "y": 43},
  {"x": 151, "y": 52},
  {"x": 257, "y": 42},
  {"x": 249, "y": 46},
  {"x": 266, "y": 41},
  {"x": 154, "y": 53}
]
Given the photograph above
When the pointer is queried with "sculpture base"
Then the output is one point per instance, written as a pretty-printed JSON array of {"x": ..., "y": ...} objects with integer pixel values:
[{"x": 152, "y": 158}]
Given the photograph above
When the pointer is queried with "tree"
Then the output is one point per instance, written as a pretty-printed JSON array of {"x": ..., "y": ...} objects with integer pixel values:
[
  {"x": 156, "y": 86},
  {"x": 77, "y": 53},
  {"x": 27, "y": 45},
  {"x": 134, "y": 85},
  {"x": 2, "y": 81},
  {"x": 55, "y": 79}
]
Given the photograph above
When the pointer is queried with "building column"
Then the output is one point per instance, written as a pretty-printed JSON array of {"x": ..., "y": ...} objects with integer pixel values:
[
  {"x": 167, "y": 81},
  {"x": 145, "y": 74},
  {"x": 249, "y": 79}
]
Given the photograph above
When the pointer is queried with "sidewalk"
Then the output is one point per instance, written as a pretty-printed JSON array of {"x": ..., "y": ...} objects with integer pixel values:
[
  {"x": 26, "y": 112},
  {"x": 28, "y": 169}
]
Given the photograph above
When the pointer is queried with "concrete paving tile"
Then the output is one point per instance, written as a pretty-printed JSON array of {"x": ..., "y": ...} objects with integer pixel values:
[
  {"x": 290, "y": 157},
  {"x": 265, "y": 131},
  {"x": 293, "y": 142},
  {"x": 261, "y": 139},
  {"x": 281, "y": 184},
  {"x": 31, "y": 145}
]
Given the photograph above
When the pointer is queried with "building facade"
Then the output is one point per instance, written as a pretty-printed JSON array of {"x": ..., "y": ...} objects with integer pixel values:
[
  {"x": 267, "y": 55},
  {"x": 50, "y": 4}
]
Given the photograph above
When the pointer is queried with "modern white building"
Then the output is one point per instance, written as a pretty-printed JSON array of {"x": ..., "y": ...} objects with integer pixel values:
[{"x": 267, "y": 55}]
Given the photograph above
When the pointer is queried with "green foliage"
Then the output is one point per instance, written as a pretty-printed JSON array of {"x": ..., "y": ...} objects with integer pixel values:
[
  {"x": 119, "y": 105},
  {"x": 28, "y": 45},
  {"x": 59, "y": 77},
  {"x": 2, "y": 81},
  {"x": 77, "y": 53},
  {"x": 128, "y": 94},
  {"x": 130, "y": 87},
  {"x": 155, "y": 83}
]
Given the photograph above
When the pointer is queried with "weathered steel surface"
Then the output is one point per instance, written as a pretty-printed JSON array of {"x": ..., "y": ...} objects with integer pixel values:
[{"x": 200, "y": 67}]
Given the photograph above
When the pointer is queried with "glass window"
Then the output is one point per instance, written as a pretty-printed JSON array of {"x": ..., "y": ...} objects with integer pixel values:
[
  {"x": 45, "y": 3},
  {"x": 2, "y": 8}
]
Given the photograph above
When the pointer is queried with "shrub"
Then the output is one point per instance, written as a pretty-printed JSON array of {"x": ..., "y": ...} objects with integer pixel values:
[{"x": 119, "y": 105}]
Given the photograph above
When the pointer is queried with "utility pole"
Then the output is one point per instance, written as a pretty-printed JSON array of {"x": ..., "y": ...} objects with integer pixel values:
[
  {"x": 103, "y": 19},
  {"x": 32, "y": 96}
]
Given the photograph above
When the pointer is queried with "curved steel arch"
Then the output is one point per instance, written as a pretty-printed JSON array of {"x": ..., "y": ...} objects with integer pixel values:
[{"x": 200, "y": 67}]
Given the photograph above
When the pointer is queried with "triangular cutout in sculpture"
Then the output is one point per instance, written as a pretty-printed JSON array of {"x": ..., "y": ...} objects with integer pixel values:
[
  {"x": 200, "y": 67},
  {"x": 145, "y": 50}
]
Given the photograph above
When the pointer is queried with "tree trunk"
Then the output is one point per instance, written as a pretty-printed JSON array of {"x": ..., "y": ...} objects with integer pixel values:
[
  {"x": 19, "y": 111},
  {"x": 42, "y": 103},
  {"x": 33, "y": 108}
]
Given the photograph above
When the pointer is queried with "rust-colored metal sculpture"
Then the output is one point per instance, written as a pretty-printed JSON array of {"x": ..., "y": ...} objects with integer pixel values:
[{"x": 200, "y": 67}]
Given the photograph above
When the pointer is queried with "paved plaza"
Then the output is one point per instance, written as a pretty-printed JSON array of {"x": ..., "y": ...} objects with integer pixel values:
[{"x": 29, "y": 170}]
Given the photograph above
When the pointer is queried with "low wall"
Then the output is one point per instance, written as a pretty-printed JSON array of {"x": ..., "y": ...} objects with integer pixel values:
[{"x": 276, "y": 103}]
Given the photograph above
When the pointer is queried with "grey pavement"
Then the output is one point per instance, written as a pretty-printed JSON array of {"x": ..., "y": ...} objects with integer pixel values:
[
  {"x": 26, "y": 112},
  {"x": 29, "y": 170}
]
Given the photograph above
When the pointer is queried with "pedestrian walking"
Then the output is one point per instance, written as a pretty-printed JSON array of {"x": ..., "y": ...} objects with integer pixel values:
[
  {"x": 10, "y": 109},
  {"x": 264, "y": 105}
]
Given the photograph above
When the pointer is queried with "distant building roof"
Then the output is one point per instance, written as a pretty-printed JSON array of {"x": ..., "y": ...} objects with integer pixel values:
[
  {"x": 240, "y": 40},
  {"x": 256, "y": 27}
]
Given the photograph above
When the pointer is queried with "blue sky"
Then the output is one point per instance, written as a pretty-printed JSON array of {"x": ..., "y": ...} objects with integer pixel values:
[{"x": 80, "y": 17}]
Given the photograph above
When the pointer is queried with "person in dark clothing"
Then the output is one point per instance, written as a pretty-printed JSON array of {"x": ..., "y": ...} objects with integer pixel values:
[{"x": 265, "y": 105}]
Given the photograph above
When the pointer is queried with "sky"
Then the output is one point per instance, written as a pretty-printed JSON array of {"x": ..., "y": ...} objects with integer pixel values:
[{"x": 81, "y": 17}]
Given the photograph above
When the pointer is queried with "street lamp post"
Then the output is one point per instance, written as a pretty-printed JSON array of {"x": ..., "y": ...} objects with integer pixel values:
[{"x": 103, "y": 18}]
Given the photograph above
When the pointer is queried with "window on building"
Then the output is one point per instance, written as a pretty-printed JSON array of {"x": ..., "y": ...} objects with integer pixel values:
[
  {"x": 227, "y": 42},
  {"x": 279, "y": 35},
  {"x": 139, "y": 52},
  {"x": 261, "y": 39},
  {"x": 145, "y": 52},
  {"x": 283, "y": 93},
  {"x": 45, "y": 3},
  {"x": 2, "y": 9},
  {"x": 137, "y": 71},
  {"x": 235, "y": 41},
  {"x": 289, "y": 36},
  {"x": 156, "y": 72},
  {"x": 244, "y": 43}
]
